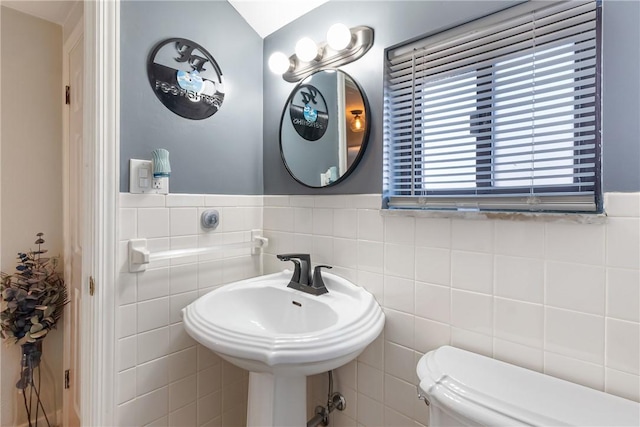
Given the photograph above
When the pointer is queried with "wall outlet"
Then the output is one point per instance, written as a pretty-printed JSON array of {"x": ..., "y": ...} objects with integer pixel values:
[
  {"x": 141, "y": 180},
  {"x": 160, "y": 185}
]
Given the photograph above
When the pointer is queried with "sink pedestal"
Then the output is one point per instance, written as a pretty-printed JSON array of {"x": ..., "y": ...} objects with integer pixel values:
[{"x": 277, "y": 400}]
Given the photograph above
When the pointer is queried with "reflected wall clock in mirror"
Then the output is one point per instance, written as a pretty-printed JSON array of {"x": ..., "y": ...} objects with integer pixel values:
[{"x": 319, "y": 143}]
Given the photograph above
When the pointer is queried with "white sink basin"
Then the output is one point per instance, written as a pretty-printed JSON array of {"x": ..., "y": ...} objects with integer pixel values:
[
  {"x": 282, "y": 335},
  {"x": 261, "y": 325}
]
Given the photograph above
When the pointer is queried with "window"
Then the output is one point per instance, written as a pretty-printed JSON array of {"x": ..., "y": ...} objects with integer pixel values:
[{"x": 499, "y": 114}]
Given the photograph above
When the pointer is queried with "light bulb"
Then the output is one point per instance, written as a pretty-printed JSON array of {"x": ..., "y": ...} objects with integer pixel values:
[
  {"x": 279, "y": 63},
  {"x": 357, "y": 122},
  {"x": 306, "y": 49},
  {"x": 338, "y": 36}
]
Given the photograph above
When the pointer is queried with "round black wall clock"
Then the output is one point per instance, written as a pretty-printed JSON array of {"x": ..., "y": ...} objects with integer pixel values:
[{"x": 186, "y": 78}]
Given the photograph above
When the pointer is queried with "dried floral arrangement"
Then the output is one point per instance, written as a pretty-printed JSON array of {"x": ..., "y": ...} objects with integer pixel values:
[{"x": 33, "y": 298}]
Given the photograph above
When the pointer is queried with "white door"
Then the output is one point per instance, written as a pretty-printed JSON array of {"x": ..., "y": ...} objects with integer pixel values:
[{"x": 75, "y": 277}]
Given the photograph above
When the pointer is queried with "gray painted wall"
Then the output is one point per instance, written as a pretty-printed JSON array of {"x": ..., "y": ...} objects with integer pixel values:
[
  {"x": 396, "y": 21},
  {"x": 621, "y": 95},
  {"x": 227, "y": 152},
  {"x": 221, "y": 154}
]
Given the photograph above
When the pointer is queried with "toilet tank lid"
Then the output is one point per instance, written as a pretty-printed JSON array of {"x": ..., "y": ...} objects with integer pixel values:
[{"x": 492, "y": 392}]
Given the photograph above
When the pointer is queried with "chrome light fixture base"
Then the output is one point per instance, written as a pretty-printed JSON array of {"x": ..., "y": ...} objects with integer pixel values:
[{"x": 361, "y": 42}]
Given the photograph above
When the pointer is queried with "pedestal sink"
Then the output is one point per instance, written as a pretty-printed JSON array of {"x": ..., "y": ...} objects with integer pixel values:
[{"x": 282, "y": 335}]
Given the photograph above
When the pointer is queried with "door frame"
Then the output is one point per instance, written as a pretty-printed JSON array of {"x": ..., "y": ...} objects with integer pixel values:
[
  {"x": 1, "y": 376},
  {"x": 69, "y": 45},
  {"x": 101, "y": 142}
]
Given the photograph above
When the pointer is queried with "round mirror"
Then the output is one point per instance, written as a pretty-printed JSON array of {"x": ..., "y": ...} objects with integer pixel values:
[{"x": 324, "y": 128}]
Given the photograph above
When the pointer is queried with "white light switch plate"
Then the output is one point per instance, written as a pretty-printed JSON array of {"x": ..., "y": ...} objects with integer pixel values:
[{"x": 140, "y": 176}]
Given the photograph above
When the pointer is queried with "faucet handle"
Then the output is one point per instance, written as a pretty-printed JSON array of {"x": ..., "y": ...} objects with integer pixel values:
[{"x": 318, "y": 283}]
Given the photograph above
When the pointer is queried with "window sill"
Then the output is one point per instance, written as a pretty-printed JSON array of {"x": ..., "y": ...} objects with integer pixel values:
[{"x": 576, "y": 218}]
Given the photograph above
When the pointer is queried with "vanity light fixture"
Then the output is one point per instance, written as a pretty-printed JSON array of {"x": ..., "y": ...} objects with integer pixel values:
[
  {"x": 357, "y": 122},
  {"x": 343, "y": 45}
]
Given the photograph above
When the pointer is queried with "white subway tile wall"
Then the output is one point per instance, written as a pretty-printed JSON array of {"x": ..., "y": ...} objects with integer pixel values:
[
  {"x": 164, "y": 377},
  {"x": 557, "y": 297}
]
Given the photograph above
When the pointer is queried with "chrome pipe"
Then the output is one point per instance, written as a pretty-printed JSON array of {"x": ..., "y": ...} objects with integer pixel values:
[{"x": 318, "y": 418}]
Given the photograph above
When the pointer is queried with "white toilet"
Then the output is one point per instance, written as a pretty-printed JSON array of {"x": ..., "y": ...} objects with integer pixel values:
[{"x": 466, "y": 389}]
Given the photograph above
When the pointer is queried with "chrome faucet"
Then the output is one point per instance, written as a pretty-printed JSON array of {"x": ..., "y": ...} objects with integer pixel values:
[{"x": 302, "y": 279}]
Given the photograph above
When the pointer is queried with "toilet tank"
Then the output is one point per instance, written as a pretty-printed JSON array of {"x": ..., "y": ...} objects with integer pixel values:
[{"x": 467, "y": 389}]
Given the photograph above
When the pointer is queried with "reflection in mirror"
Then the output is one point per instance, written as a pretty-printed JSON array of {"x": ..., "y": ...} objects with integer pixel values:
[{"x": 324, "y": 128}]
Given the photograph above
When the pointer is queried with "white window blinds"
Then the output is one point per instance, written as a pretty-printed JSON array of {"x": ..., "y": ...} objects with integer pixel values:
[{"x": 500, "y": 114}]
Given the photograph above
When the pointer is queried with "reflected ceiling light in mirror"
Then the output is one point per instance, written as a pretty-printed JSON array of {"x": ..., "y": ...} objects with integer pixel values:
[
  {"x": 343, "y": 45},
  {"x": 339, "y": 37},
  {"x": 279, "y": 63},
  {"x": 357, "y": 122}
]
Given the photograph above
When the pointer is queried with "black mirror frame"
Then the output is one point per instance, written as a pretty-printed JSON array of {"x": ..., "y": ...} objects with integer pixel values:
[{"x": 365, "y": 137}]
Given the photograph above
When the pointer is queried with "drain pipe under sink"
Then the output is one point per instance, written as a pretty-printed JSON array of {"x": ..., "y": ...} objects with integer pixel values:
[{"x": 334, "y": 401}]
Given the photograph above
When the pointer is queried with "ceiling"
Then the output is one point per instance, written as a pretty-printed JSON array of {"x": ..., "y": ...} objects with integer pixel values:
[
  {"x": 265, "y": 16},
  {"x": 55, "y": 11}
]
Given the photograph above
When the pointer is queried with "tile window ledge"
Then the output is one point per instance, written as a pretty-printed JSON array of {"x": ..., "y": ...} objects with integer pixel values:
[{"x": 574, "y": 218}]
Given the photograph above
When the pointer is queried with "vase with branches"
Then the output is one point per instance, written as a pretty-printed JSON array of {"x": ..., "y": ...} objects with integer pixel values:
[{"x": 32, "y": 301}]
